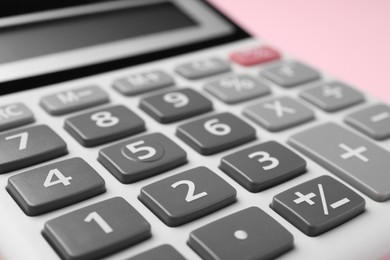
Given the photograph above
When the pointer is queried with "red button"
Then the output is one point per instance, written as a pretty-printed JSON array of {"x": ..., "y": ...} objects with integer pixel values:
[{"x": 255, "y": 56}]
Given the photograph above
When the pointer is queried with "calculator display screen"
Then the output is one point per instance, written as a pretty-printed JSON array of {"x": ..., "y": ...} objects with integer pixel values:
[{"x": 58, "y": 35}]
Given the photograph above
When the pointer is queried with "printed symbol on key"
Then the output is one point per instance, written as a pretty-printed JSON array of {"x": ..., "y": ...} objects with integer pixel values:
[
  {"x": 350, "y": 152},
  {"x": 308, "y": 199},
  {"x": 380, "y": 117},
  {"x": 280, "y": 110},
  {"x": 336, "y": 92},
  {"x": 71, "y": 96},
  {"x": 237, "y": 84},
  {"x": 287, "y": 71}
]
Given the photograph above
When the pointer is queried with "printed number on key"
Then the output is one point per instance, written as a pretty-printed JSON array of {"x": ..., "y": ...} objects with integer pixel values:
[
  {"x": 60, "y": 178},
  {"x": 23, "y": 140},
  {"x": 104, "y": 119},
  {"x": 100, "y": 221},
  {"x": 214, "y": 127},
  {"x": 191, "y": 196},
  {"x": 177, "y": 99},
  {"x": 265, "y": 157}
]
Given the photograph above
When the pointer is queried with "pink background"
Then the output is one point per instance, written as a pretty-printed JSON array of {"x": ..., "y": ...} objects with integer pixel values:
[{"x": 349, "y": 39}]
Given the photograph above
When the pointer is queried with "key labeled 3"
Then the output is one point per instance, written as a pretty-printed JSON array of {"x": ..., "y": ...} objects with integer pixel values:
[{"x": 262, "y": 166}]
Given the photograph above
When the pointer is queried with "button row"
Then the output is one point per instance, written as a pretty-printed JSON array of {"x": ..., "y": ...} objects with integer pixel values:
[{"x": 103, "y": 228}]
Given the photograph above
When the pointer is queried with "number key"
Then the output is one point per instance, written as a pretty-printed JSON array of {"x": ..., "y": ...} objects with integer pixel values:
[
  {"x": 215, "y": 133},
  {"x": 187, "y": 196},
  {"x": 97, "y": 230},
  {"x": 24, "y": 147},
  {"x": 175, "y": 105},
  {"x": 54, "y": 186},
  {"x": 138, "y": 158},
  {"x": 104, "y": 125},
  {"x": 263, "y": 166}
]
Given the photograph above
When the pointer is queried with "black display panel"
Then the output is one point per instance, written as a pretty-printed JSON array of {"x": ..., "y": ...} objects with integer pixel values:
[{"x": 42, "y": 38}]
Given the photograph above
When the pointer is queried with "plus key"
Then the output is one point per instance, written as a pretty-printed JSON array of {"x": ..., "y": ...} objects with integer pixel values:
[{"x": 353, "y": 158}]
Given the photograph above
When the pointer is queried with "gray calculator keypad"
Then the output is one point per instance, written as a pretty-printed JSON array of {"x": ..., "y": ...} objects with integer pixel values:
[
  {"x": 248, "y": 234},
  {"x": 212, "y": 134},
  {"x": 290, "y": 74},
  {"x": 141, "y": 157},
  {"x": 318, "y": 205},
  {"x": 373, "y": 121},
  {"x": 262, "y": 166},
  {"x": 28, "y": 146},
  {"x": 187, "y": 196},
  {"x": 175, "y": 105},
  {"x": 104, "y": 125},
  {"x": 73, "y": 100},
  {"x": 279, "y": 113},
  {"x": 203, "y": 68},
  {"x": 143, "y": 82},
  {"x": 14, "y": 115},
  {"x": 353, "y": 158},
  {"x": 237, "y": 88},
  {"x": 97, "y": 230},
  {"x": 332, "y": 96},
  {"x": 163, "y": 252},
  {"x": 55, "y": 185}
]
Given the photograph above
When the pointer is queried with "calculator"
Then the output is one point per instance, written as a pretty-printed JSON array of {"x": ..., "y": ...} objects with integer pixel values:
[{"x": 161, "y": 130}]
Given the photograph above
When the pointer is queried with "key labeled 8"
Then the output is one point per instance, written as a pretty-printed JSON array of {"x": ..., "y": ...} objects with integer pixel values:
[{"x": 104, "y": 119}]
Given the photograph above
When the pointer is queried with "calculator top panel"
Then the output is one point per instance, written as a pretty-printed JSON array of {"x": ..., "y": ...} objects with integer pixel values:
[{"x": 106, "y": 35}]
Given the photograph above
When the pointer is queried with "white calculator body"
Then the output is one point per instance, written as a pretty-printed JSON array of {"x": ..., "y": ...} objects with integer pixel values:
[{"x": 159, "y": 129}]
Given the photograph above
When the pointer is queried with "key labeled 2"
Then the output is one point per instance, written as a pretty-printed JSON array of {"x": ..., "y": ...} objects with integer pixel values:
[
  {"x": 187, "y": 196},
  {"x": 263, "y": 166},
  {"x": 28, "y": 146},
  {"x": 216, "y": 133},
  {"x": 55, "y": 186}
]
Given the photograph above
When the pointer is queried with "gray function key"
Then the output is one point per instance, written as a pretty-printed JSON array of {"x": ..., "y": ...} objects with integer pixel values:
[
  {"x": 237, "y": 88},
  {"x": 28, "y": 146},
  {"x": 96, "y": 230},
  {"x": 141, "y": 157},
  {"x": 353, "y": 158},
  {"x": 143, "y": 82},
  {"x": 318, "y": 205},
  {"x": 73, "y": 100},
  {"x": 290, "y": 74},
  {"x": 249, "y": 234},
  {"x": 55, "y": 186},
  {"x": 279, "y": 113},
  {"x": 262, "y": 166},
  {"x": 163, "y": 252},
  {"x": 175, "y": 105},
  {"x": 187, "y": 196},
  {"x": 212, "y": 134},
  {"x": 203, "y": 68},
  {"x": 104, "y": 125},
  {"x": 373, "y": 121},
  {"x": 14, "y": 115},
  {"x": 332, "y": 96}
]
